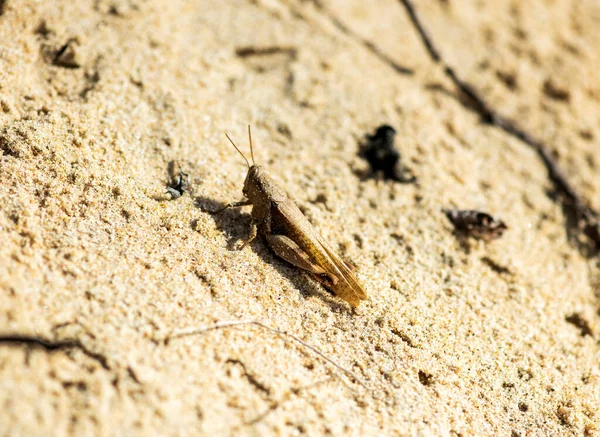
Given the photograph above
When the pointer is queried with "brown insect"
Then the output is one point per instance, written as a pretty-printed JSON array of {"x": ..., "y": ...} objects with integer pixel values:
[
  {"x": 291, "y": 236},
  {"x": 476, "y": 223}
]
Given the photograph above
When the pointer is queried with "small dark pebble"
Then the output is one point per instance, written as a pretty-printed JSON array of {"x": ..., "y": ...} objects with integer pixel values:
[
  {"x": 177, "y": 187},
  {"x": 383, "y": 157}
]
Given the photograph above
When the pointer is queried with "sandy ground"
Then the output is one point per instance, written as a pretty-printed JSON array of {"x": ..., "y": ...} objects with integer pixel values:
[{"x": 102, "y": 102}]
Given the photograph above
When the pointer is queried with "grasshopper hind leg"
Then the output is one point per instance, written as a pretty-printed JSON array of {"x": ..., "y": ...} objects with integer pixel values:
[{"x": 286, "y": 248}]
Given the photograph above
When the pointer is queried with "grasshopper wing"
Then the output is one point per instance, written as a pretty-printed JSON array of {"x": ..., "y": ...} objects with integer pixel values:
[
  {"x": 342, "y": 280},
  {"x": 347, "y": 286}
]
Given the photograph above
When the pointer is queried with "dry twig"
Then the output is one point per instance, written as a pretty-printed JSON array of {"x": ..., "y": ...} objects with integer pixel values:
[{"x": 226, "y": 324}]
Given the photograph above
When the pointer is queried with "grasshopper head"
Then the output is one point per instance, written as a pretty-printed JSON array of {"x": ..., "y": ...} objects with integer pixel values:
[{"x": 251, "y": 184}]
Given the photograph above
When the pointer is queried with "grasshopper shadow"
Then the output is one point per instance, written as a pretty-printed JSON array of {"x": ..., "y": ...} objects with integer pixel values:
[{"x": 234, "y": 223}]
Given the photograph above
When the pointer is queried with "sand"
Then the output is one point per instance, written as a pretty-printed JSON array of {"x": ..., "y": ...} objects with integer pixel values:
[{"x": 103, "y": 102}]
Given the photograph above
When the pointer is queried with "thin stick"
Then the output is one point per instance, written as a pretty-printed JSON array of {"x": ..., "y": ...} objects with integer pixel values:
[
  {"x": 370, "y": 46},
  {"x": 236, "y": 148},
  {"x": 435, "y": 55},
  {"x": 193, "y": 331},
  {"x": 251, "y": 149},
  {"x": 587, "y": 219}
]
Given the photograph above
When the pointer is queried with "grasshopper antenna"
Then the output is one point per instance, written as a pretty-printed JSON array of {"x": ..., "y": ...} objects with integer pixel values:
[
  {"x": 236, "y": 148},
  {"x": 251, "y": 149}
]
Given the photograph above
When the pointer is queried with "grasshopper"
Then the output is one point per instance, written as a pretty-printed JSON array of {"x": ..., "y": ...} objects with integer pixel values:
[{"x": 291, "y": 236}]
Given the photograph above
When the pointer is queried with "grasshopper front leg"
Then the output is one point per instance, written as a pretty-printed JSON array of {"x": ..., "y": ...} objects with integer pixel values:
[{"x": 232, "y": 205}]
